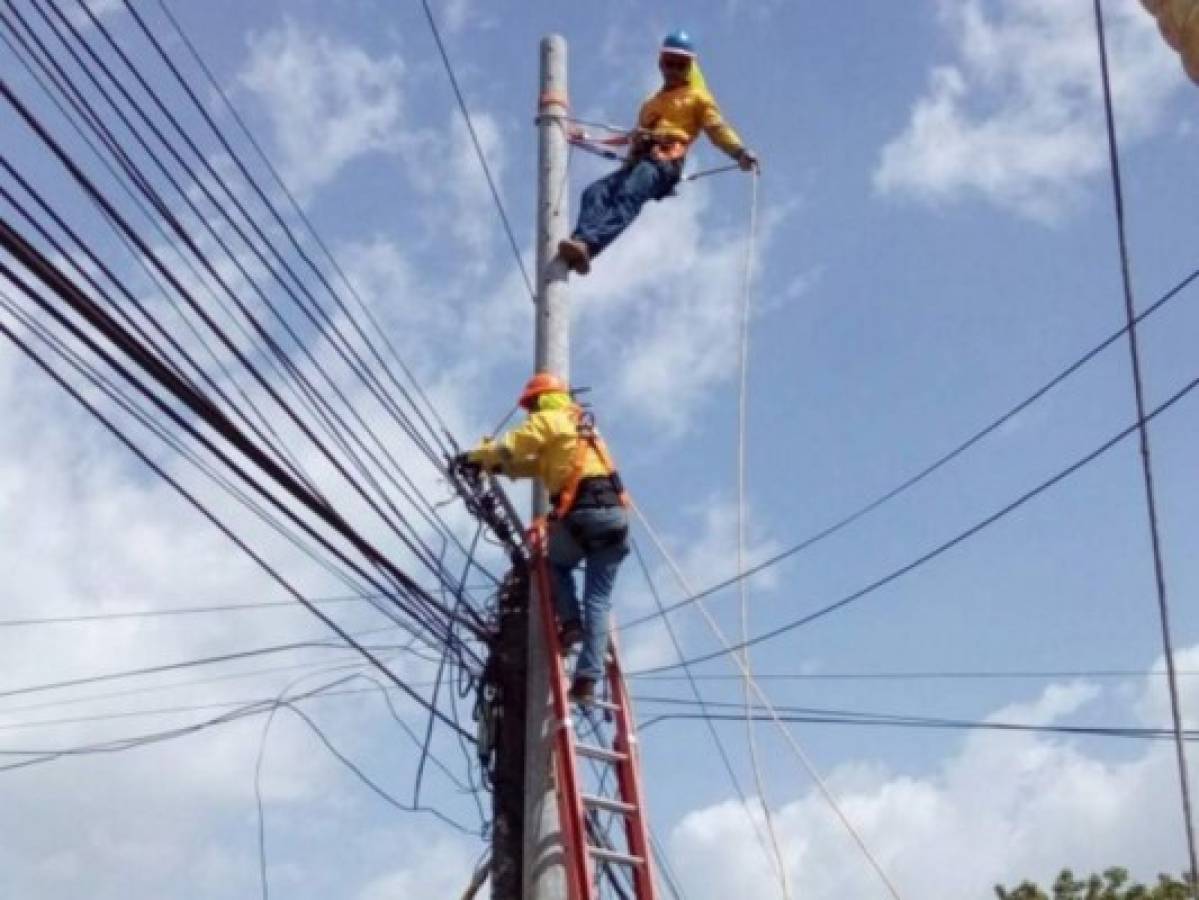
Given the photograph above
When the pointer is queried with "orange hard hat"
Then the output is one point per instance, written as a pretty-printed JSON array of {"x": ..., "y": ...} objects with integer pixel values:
[{"x": 541, "y": 383}]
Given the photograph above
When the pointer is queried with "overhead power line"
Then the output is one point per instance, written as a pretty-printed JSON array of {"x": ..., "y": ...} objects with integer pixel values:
[
  {"x": 947, "y": 675},
  {"x": 691, "y": 680},
  {"x": 937, "y": 551},
  {"x": 1159, "y": 569},
  {"x": 60, "y": 30},
  {"x": 482, "y": 157},
  {"x": 928, "y": 470},
  {"x": 832, "y": 718},
  {"x": 208, "y": 514},
  {"x": 33, "y": 757},
  {"x": 186, "y": 664},
  {"x": 117, "y": 615}
]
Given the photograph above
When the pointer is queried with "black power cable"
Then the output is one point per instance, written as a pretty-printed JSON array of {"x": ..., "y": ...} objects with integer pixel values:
[
  {"x": 936, "y": 551},
  {"x": 258, "y": 707},
  {"x": 928, "y": 470},
  {"x": 333, "y": 420},
  {"x": 1159, "y": 569},
  {"x": 298, "y": 211},
  {"x": 197, "y": 403},
  {"x": 482, "y": 157},
  {"x": 208, "y": 514}
]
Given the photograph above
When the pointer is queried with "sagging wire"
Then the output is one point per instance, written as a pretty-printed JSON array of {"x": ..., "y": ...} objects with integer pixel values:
[
  {"x": 780, "y": 865},
  {"x": 143, "y": 185},
  {"x": 1159, "y": 573},
  {"x": 796, "y": 749},
  {"x": 414, "y": 807},
  {"x": 721, "y": 751}
]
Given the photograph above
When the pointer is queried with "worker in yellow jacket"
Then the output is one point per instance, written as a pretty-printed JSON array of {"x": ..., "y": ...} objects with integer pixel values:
[
  {"x": 558, "y": 445},
  {"x": 669, "y": 122}
]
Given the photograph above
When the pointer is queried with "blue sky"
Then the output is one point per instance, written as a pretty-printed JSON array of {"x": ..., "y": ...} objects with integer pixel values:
[{"x": 937, "y": 242}]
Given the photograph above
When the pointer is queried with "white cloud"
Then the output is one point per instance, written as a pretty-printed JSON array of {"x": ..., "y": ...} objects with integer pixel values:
[
  {"x": 671, "y": 287},
  {"x": 1016, "y": 118},
  {"x": 99, "y": 8},
  {"x": 85, "y": 529},
  {"x": 445, "y": 167},
  {"x": 458, "y": 13},
  {"x": 1002, "y": 808},
  {"x": 329, "y": 101},
  {"x": 707, "y": 558},
  {"x": 440, "y": 868}
]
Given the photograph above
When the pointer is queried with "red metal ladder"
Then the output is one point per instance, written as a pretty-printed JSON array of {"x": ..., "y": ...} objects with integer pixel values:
[{"x": 587, "y": 848}]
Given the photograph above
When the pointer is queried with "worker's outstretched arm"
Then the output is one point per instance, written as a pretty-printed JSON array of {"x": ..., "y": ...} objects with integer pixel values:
[
  {"x": 721, "y": 134},
  {"x": 515, "y": 454}
]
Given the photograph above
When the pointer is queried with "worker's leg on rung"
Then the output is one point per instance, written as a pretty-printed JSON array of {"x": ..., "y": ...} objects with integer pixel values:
[
  {"x": 598, "y": 581},
  {"x": 564, "y": 555}
]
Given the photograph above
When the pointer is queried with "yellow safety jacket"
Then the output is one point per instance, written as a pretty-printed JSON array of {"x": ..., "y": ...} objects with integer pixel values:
[
  {"x": 675, "y": 117},
  {"x": 549, "y": 447}
]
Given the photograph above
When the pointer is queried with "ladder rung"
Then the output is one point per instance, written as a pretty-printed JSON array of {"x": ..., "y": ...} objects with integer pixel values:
[
  {"x": 615, "y": 856},
  {"x": 612, "y": 756},
  {"x": 610, "y": 804}
]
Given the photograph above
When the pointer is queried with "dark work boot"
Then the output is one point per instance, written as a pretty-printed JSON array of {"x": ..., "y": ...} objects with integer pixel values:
[
  {"x": 570, "y": 634},
  {"x": 576, "y": 256},
  {"x": 582, "y": 692}
]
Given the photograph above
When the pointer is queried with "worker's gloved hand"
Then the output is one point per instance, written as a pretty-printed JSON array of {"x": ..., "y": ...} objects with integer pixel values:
[
  {"x": 748, "y": 161},
  {"x": 463, "y": 463}
]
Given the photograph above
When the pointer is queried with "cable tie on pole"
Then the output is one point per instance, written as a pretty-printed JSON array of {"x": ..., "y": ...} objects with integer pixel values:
[{"x": 553, "y": 98}]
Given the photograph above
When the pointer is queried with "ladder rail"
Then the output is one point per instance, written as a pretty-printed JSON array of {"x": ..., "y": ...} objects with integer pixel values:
[
  {"x": 583, "y": 859},
  {"x": 628, "y": 775},
  {"x": 578, "y": 863}
]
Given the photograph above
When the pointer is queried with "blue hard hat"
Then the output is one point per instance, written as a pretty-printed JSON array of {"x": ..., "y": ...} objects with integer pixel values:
[{"x": 679, "y": 43}]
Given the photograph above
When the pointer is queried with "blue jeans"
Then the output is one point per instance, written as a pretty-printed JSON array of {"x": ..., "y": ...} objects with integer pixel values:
[
  {"x": 610, "y": 205},
  {"x": 597, "y": 536}
]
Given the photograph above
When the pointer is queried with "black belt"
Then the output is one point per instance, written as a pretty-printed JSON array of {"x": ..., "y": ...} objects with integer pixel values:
[{"x": 596, "y": 492}]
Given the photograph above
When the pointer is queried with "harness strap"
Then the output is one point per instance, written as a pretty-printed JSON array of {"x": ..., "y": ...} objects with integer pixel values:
[{"x": 588, "y": 439}]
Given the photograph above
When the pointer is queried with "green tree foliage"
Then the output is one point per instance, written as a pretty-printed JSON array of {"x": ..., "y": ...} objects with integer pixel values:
[{"x": 1113, "y": 884}]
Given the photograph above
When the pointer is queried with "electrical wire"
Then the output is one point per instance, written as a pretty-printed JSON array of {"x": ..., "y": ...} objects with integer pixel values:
[
  {"x": 788, "y": 737},
  {"x": 298, "y": 211},
  {"x": 165, "y": 374},
  {"x": 1159, "y": 573},
  {"x": 940, "y": 549},
  {"x": 158, "y": 203},
  {"x": 166, "y": 612},
  {"x": 176, "y": 666},
  {"x": 779, "y": 864},
  {"x": 203, "y": 188},
  {"x": 932, "y": 467},
  {"x": 197, "y": 403},
  {"x": 278, "y": 704},
  {"x": 259, "y": 560},
  {"x": 42, "y": 756},
  {"x": 1133, "y": 733},
  {"x": 482, "y": 157},
  {"x": 690, "y": 677},
  {"x": 998, "y": 674}
]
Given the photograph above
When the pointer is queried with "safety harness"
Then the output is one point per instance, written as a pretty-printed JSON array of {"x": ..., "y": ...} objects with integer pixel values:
[{"x": 588, "y": 439}]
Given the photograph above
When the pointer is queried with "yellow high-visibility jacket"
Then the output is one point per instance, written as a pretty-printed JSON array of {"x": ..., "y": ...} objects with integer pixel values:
[
  {"x": 543, "y": 447},
  {"x": 1178, "y": 21},
  {"x": 680, "y": 114}
]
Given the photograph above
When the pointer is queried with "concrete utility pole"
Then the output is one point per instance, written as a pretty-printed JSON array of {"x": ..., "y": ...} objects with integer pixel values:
[{"x": 544, "y": 873}]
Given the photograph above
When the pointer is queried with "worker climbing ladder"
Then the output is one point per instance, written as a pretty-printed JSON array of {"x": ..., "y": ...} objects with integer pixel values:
[{"x": 597, "y": 771}]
